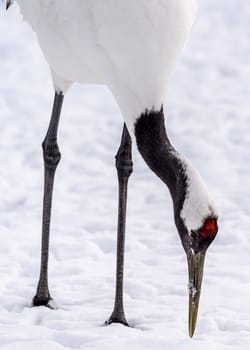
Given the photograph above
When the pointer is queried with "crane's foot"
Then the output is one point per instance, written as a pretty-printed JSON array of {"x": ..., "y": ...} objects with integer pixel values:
[
  {"x": 47, "y": 302},
  {"x": 117, "y": 318}
]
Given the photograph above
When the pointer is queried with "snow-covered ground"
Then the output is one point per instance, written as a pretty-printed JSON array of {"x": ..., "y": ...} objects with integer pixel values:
[{"x": 208, "y": 119}]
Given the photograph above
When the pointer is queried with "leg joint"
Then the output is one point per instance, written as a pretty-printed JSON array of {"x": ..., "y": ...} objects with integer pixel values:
[
  {"x": 51, "y": 154},
  {"x": 124, "y": 164}
]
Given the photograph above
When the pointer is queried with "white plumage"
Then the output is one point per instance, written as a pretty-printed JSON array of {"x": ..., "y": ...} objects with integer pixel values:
[
  {"x": 198, "y": 203},
  {"x": 131, "y": 46}
]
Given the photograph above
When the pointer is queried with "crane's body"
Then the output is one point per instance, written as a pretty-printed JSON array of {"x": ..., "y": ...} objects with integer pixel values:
[{"x": 131, "y": 46}]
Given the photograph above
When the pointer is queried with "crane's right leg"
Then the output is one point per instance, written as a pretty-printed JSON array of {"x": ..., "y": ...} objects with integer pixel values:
[
  {"x": 52, "y": 156},
  {"x": 124, "y": 166}
]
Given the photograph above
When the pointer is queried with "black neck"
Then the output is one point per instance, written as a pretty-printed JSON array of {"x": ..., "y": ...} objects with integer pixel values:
[{"x": 157, "y": 151}]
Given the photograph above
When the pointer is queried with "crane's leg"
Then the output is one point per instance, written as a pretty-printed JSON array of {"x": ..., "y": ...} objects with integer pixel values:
[
  {"x": 124, "y": 168},
  {"x": 52, "y": 156}
]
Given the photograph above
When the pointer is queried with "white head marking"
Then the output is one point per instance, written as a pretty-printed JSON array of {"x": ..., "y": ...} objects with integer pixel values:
[{"x": 198, "y": 204}]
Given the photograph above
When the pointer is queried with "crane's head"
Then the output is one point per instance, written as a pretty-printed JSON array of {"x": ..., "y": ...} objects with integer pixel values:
[
  {"x": 194, "y": 211},
  {"x": 196, "y": 221}
]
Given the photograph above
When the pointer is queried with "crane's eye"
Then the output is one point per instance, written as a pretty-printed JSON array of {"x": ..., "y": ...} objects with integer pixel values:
[{"x": 209, "y": 228}]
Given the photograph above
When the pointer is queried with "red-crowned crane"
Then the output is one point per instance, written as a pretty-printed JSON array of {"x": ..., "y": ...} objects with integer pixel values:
[{"x": 131, "y": 46}]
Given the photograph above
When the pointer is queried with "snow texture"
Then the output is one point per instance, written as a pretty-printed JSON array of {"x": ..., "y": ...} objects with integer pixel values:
[
  {"x": 192, "y": 290},
  {"x": 207, "y": 120}
]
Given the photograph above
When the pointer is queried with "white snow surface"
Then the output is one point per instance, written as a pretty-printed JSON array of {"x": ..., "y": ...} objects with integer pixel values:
[{"x": 208, "y": 120}]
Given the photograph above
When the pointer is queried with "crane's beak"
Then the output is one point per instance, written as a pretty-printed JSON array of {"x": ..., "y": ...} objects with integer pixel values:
[{"x": 195, "y": 271}]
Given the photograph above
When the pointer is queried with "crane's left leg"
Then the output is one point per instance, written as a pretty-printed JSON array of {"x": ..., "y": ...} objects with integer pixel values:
[
  {"x": 52, "y": 156},
  {"x": 124, "y": 168}
]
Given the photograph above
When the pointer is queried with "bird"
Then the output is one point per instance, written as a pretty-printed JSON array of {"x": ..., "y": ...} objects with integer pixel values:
[{"x": 132, "y": 48}]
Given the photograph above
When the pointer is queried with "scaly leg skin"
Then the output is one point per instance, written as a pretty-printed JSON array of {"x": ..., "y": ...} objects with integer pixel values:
[
  {"x": 52, "y": 156},
  {"x": 124, "y": 167}
]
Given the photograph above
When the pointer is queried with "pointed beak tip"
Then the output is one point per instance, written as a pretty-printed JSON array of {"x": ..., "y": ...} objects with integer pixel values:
[
  {"x": 192, "y": 323},
  {"x": 191, "y": 331},
  {"x": 191, "y": 334}
]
